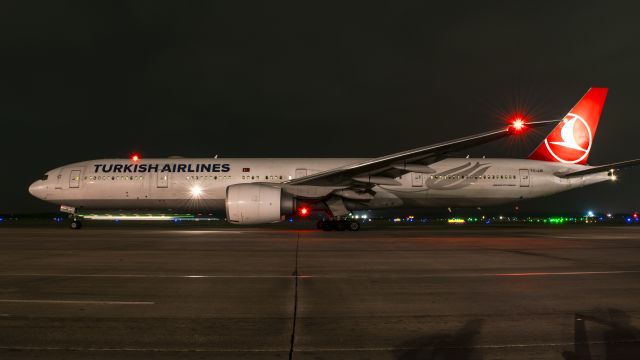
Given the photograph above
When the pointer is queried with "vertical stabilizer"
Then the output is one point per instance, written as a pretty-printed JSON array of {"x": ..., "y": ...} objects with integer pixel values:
[{"x": 570, "y": 141}]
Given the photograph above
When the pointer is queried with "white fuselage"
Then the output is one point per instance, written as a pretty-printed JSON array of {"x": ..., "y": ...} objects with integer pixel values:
[{"x": 200, "y": 184}]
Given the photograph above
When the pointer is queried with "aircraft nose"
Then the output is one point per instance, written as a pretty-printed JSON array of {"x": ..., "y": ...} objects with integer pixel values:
[{"x": 37, "y": 189}]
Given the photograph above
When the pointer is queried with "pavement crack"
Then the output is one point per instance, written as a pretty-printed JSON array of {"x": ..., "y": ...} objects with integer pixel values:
[{"x": 295, "y": 300}]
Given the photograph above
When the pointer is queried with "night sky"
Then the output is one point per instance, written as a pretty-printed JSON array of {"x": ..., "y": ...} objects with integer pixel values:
[{"x": 89, "y": 79}]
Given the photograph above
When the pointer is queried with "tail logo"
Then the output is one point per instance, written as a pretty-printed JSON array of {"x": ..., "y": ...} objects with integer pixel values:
[{"x": 572, "y": 143}]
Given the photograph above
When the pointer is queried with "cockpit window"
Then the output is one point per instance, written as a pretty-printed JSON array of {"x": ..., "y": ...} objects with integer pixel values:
[{"x": 44, "y": 177}]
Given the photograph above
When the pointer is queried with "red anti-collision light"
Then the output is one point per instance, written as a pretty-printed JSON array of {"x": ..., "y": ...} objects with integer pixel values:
[
  {"x": 303, "y": 211},
  {"x": 135, "y": 157},
  {"x": 517, "y": 125}
]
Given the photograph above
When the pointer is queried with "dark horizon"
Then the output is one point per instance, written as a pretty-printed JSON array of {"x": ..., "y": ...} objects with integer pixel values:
[{"x": 85, "y": 81}]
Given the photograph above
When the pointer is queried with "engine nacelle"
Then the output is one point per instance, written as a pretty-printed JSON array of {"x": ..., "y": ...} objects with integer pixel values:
[{"x": 257, "y": 204}]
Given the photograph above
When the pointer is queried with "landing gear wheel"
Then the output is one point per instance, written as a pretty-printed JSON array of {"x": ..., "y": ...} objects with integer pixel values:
[
  {"x": 354, "y": 226},
  {"x": 75, "y": 224}
]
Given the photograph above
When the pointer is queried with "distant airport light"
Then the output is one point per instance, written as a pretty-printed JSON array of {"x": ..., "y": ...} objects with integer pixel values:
[
  {"x": 456, "y": 221},
  {"x": 135, "y": 157},
  {"x": 303, "y": 211}
]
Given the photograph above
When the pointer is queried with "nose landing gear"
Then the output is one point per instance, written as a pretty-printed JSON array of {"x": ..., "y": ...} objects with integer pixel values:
[{"x": 75, "y": 224}]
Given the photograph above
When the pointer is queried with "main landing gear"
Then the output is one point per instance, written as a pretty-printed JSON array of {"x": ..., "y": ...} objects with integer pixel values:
[
  {"x": 338, "y": 225},
  {"x": 75, "y": 223}
]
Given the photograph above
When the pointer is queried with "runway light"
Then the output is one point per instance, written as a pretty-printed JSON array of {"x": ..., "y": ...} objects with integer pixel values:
[{"x": 196, "y": 191}]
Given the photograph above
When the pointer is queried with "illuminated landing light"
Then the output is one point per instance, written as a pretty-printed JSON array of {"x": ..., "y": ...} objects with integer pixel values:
[
  {"x": 195, "y": 191},
  {"x": 614, "y": 178}
]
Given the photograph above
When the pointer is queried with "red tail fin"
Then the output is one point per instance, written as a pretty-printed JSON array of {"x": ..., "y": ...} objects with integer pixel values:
[{"x": 570, "y": 141}]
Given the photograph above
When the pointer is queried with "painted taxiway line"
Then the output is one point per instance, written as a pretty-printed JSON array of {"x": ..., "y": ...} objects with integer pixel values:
[
  {"x": 88, "y": 302},
  {"x": 312, "y": 349},
  {"x": 178, "y": 350},
  {"x": 372, "y": 276}
]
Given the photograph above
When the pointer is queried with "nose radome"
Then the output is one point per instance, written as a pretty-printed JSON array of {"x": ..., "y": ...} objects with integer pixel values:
[{"x": 37, "y": 189}]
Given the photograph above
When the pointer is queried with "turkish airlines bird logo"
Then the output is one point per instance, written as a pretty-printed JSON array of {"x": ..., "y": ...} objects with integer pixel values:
[{"x": 572, "y": 143}]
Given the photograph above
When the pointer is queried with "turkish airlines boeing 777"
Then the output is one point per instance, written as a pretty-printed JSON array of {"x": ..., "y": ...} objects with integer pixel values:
[{"x": 259, "y": 191}]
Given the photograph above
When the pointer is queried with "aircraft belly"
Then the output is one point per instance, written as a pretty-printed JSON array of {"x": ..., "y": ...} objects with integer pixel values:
[{"x": 147, "y": 204}]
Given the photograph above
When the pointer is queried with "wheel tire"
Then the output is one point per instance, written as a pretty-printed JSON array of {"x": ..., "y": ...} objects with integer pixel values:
[
  {"x": 354, "y": 226},
  {"x": 75, "y": 225},
  {"x": 341, "y": 225}
]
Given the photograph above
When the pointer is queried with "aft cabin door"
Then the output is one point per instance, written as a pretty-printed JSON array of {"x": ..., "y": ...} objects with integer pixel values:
[
  {"x": 163, "y": 180},
  {"x": 416, "y": 179},
  {"x": 74, "y": 179},
  {"x": 524, "y": 178}
]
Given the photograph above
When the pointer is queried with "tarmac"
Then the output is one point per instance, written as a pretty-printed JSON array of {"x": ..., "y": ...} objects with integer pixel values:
[{"x": 405, "y": 292}]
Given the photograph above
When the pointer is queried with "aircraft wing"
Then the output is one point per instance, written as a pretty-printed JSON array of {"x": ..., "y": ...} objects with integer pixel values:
[
  {"x": 602, "y": 168},
  {"x": 384, "y": 169}
]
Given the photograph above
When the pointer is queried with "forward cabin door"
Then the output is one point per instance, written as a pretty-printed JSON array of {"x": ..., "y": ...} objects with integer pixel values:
[
  {"x": 524, "y": 178},
  {"x": 416, "y": 179},
  {"x": 162, "y": 180},
  {"x": 74, "y": 179}
]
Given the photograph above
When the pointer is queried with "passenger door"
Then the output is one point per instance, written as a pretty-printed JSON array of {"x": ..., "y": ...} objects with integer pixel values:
[
  {"x": 74, "y": 179},
  {"x": 162, "y": 180},
  {"x": 301, "y": 173},
  {"x": 524, "y": 178},
  {"x": 416, "y": 179}
]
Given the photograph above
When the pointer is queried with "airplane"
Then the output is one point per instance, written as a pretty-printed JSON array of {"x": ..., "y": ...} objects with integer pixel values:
[{"x": 257, "y": 191}]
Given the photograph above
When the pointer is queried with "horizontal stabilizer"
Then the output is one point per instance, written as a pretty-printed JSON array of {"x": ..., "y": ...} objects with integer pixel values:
[{"x": 602, "y": 168}]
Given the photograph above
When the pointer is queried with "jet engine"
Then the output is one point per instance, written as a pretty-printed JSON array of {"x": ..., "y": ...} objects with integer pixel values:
[{"x": 257, "y": 204}]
